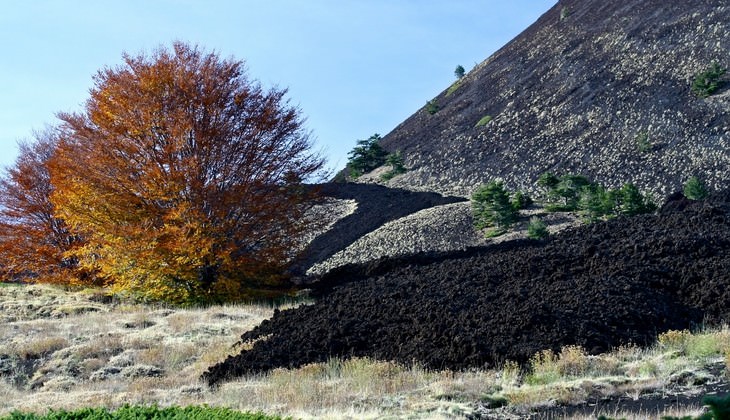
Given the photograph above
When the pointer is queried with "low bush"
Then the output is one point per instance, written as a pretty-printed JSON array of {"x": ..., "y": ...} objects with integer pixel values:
[
  {"x": 643, "y": 144},
  {"x": 521, "y": 200},
  {"x": 454, "y": 87},
  {"x": 695, "y": 189},
  {"x": 397, "y": 167},
  {"x": 537, "y": 229},
  {"x": 143, "y": 412},
  {"x": 719, "y": 409},
  {"x": 708, "y": 82},
  {"x": 432, "y": 107},
  {"x": 564, "y": 13}
]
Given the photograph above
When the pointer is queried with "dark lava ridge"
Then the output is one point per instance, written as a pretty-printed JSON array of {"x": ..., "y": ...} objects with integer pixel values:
[{"x": 597, "y": 286}]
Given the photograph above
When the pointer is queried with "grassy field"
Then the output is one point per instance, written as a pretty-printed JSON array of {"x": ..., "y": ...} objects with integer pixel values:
[{"x": 65, "y": 350}]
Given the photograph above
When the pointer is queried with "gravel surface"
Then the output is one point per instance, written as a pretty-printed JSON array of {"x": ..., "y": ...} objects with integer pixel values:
[
  {"x": 443, "y": 228},
  {"x": 354, "y": 210}
]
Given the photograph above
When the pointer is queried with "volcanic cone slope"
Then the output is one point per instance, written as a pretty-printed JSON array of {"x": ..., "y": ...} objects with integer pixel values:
[
  {"x": 601, "y": 88},
  {"x": 596, "y": 286}
]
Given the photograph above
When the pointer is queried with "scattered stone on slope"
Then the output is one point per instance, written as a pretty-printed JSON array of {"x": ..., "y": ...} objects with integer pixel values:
[
  {"x": 372, "y": 206},
  {"x": 449, "y": 227},
  {"x": 574, "y": 95},
  {"x": 442, "y": 228},
  {"x": 596, "y": 286}
]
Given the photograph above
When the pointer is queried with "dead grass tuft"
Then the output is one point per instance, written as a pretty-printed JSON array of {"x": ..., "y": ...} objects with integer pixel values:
[{"x": 38, "y": 347}]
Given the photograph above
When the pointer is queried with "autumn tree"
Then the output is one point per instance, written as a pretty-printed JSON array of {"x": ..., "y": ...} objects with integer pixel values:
[
  {"x": 185, "y": 177},
  {"x": 33, "y": 242}
]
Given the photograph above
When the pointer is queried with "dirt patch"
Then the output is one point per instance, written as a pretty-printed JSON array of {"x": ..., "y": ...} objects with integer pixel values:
[{"x": 597, "y": 286}]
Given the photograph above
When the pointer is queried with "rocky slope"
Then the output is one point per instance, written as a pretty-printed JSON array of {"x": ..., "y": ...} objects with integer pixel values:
[{"x": 577, "y": 92}]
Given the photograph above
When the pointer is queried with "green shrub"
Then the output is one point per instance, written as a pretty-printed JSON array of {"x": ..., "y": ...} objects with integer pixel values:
[
  {"x": 492, "y": 208},
  {"x": 719, "y": 406},
  {"x": 548, "y": 181},
  {"x": 708, "y": 82},
  {"x": 484, "y": 121},
  {"x": 643, "y": 145},
  {"x": 521, "y": 200},
  {"x": 695, "y": 189},
  {"x": 432, "y": 107},
  {"x": 563, "y": 194},
  {"x": 576, "y": 192},
  {"x": 631, "y": 201},
  {"x": 366, "y": 156},
  {"x": 395, "y": 160},
  {"x": 537, "y": 228},
  {"x": 596, "y": 202},
  {"x": 143, "y": 412}
]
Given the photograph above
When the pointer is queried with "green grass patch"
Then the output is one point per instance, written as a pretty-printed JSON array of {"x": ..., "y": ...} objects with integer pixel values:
[
  {"x": 454, "y": 87},
  {"x": 484, "y": 121},
  {"x": 143, "y": 412},
  {"x": 8, "y": 284}
]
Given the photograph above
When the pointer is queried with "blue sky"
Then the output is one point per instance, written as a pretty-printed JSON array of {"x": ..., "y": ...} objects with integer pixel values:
[{"x": 354, "y": 67}]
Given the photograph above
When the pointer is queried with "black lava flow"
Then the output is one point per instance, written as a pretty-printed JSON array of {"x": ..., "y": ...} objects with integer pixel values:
[{"x": 597, "y": 286}]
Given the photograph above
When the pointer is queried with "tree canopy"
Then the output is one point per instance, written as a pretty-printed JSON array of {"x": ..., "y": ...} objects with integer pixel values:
[
  {"x": 366, "y": 156},
  {"x": 184, "y": 177},
  {"x": 33, "y": 241}
]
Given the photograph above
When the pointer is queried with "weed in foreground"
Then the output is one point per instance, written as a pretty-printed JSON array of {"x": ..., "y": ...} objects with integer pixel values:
[{"x": 143, "y": 412}]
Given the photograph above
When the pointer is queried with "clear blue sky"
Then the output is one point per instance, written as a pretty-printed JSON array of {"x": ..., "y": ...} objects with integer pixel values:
[{"x": 354, "y": 67}]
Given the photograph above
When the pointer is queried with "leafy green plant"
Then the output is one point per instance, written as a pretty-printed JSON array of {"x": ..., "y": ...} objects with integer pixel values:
[
  {"x": 143, "y": 412},
  {"x": 596, "y": 202},
  {"x": 492, "y": 208},
  {"x": 548, "y": 181},
  {"x": 695, "y": 189},
  {"x": 708, "y": 82},
  {"x": 537, "y": 228},
  {"x": 366, "y": 156},
  {"x": 432, "y": 107},
  {"x": 576, "y": 192},
  {"x": 484, "y": 121},
  {"x": 719, "y": 406}
]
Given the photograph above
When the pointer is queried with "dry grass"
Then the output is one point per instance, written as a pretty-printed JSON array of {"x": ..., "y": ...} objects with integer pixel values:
[{"x": 129, "y": 354}]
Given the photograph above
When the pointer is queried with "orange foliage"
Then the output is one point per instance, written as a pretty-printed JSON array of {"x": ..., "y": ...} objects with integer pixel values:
[
  {"x": 33, "y": 242},
  {"x": 183, "y": 177}
]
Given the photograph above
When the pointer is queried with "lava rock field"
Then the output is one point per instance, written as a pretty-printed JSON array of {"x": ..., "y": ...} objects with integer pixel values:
[{"x": 598, "y": 286}]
